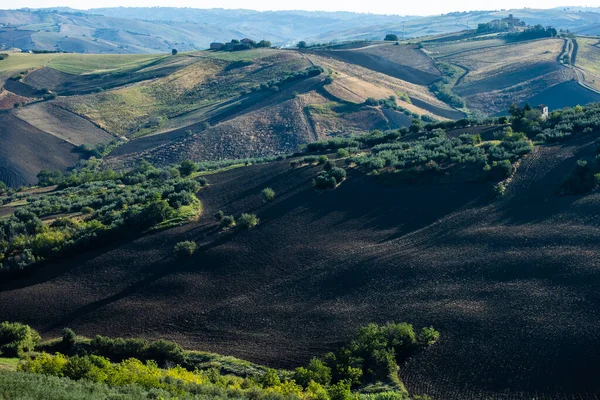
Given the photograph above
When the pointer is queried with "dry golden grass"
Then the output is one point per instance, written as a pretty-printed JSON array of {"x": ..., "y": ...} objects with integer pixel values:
[
  {"x": 356, "y": 90},
  {"x": 588, "y": 55},
  {"x": 485, "y": 63},
  {"x": 385, "y": 83}
]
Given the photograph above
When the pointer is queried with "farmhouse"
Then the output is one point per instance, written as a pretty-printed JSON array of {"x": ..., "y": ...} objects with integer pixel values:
[
  {"x": 510, "y": 22},
  {"x": 544, "y": 110},
  {"x": 247, "y": 41},
  {"x": 216, "y": 46}
]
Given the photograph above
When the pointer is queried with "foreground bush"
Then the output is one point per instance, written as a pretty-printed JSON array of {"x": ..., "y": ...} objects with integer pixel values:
[
  {"x": 16, "y": 339},
  {"x": 370, "y": 361},
  {"x": 21, "y": 385}
]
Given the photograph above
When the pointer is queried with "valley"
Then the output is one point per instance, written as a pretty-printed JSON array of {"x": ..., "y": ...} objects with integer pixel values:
[{"x": 264, "y": 222}]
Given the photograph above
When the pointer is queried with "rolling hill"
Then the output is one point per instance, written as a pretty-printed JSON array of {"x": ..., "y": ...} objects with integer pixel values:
[
  {"x": 159, "y": 29},
  {"x": 206, "y": 105},
  {"x": 509, "y": 281},
  {"x": 214, "y": 105}
]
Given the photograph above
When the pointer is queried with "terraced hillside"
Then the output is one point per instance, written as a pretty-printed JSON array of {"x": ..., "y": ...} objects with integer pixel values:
[
  {"x": 498, "y": 74},
  {"x": 263, "y": 102},
  {"x": 208, "y": 105},
  {"x": 510, "y": 282}
]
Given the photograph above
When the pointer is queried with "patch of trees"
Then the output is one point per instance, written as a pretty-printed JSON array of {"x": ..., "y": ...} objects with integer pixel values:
[
  {"x": 370, "y": 360},
  {"x": 442, "y": 87},
  {"x": 330, "y": 177},
  {"x": 245, "y": 44},
  {"x": 109, "y": 204},
  {"x": 560, "y": 125},
  {"x": 16, "y": 339},
  {"x": 244, "y": 221},
  {"x": 3, "y": 56},
  {"x": 583, "y": 177},
  {"x": 489, "y": 27},
  {"x": 390, "y": 37},
  {"x": 533, "y": 32},
  {"x": 434, "y": 152}
]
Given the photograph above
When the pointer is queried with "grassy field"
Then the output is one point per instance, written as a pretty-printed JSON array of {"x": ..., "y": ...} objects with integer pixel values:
[
  {"x": 588, "y": 55},
  {"x": 74, "y": 63},
  {"x": 444, "y": 49}
]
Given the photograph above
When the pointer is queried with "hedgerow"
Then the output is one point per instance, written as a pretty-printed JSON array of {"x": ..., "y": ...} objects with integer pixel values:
[{"x": 163, "y": 368}]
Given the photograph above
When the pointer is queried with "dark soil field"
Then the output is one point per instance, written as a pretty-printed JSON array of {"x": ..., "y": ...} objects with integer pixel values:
[
  {"x": 26, "y": 150},
  {"x": 510, "y": 284},
  {"x": 566, "y": 94},
  {"x": 63, "y": 124}
]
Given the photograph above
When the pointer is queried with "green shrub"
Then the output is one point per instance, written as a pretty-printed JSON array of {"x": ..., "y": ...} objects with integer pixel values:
[
  {"x": 581, "y": 179},
  {"x": 219, "y": 215},
  {"x": 227, "y": 222},
  {"x": 268, "y": 194},
  {"x": 163, "y": 351},
  {"x": 68, "y": 340},
  {"x": 270, "y": 378},
  {"x": 339, "y": 174},
  {"x": 247, "y": 221},
  {"x": 87, "y": 210},
  {"x": 499, "y": 189},
  {"x": 342, "y": 153},
  {"x": 322, "y": 159},
  {"x": 185, "y": 249},
  {"x": 340, "y": 391},
  {"x": 323, "y": 181},
  {"x": 17, "y": 339},
  {"x": 316, "y": 371},
  {"x": 187, "y": 167},
  {"x": 428, "y": 336},
  {"x": 328, "y": 166}
]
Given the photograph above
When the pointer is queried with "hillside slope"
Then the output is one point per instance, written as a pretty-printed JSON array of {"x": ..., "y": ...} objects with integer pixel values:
[
  {"x": 511, "y": 284},
  {"x": 158, "y": 29}
]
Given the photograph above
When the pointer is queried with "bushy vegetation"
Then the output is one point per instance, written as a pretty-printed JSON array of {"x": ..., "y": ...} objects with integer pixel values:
[
  {"x": 533, "y": 32},
  {"x": 434, "y": 151},
  {"x": 582, "y": 178},
  {"x": 22, "y": 385},
  {"x": 134, "y": 368},
  {"x": 288, "y": 77},
  {"x": 329, "y": 178},
  {"x": 268, "y": 194},
  {"x": 94, "y": 206},
  {"x": 237, "y": 45},
  {"x": 247, "y": 221},
  {"x": 442, "y": 87},
  {"x": 185, "y": 249},
  {"x": 16, "y": 339},
  {"x": 206, "y": 166},
  {"x": 560, "y": 124}
]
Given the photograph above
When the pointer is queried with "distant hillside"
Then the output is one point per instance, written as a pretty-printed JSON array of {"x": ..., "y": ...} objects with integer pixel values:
[{"x": 158, "y": 29}]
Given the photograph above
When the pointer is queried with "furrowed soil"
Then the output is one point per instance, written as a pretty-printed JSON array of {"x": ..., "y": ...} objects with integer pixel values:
[
  {"x": 511, "y": 284},
  {"x": 26, "y": 150}
]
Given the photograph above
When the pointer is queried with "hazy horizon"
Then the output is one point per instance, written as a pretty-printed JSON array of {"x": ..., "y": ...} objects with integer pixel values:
[{"x": 422, "y": 8}]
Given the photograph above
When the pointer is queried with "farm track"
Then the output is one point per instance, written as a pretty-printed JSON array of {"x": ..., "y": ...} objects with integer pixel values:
[{"x": 511, "y": 284}]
